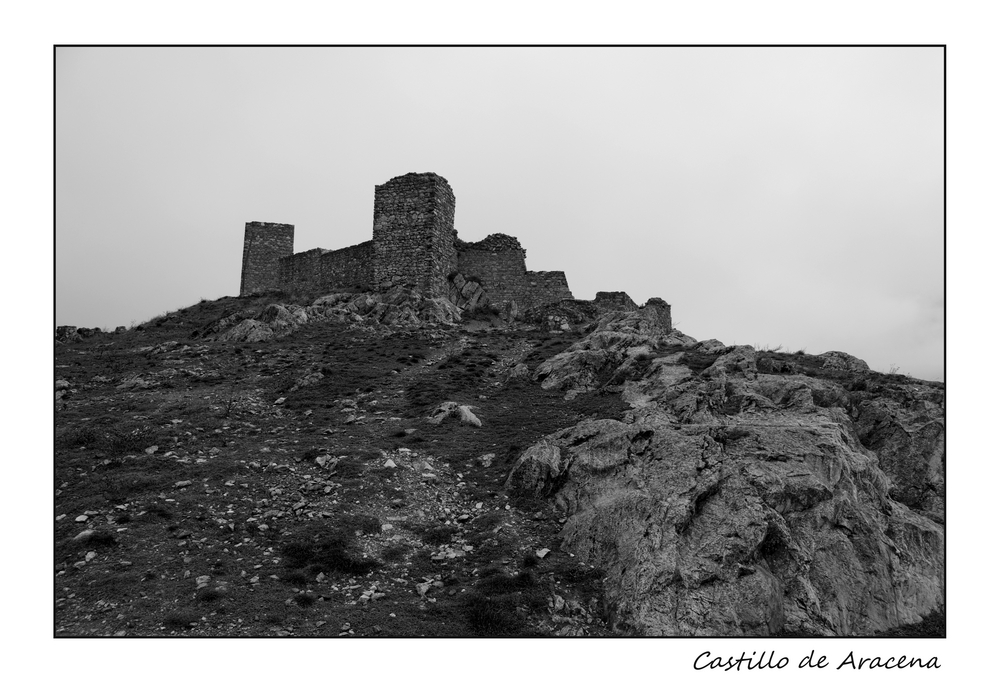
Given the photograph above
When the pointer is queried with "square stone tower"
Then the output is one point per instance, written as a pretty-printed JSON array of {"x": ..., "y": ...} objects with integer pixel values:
[
  {"x": 263, "y": 245},
  {"x": 413, "y": 237}
]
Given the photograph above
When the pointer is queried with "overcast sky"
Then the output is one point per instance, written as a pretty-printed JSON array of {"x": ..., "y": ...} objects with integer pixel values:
[{"x": 772, "y": 196}]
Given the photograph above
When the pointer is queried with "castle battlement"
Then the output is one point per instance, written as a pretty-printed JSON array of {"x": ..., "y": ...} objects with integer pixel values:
[{"x": 414, "y": 243}]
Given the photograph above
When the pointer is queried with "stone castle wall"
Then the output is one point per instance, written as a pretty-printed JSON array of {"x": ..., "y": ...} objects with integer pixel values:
[
  {"x": 413, "y": 237},
  {"x": 615, "y": 301},
  {"x": 413, "y": 243},
  {"x": 662, "y": 309},
  {"x": 320, "y": 270},
  {"x": 543, "y": 286},
  {"x": 264, "y": 244},
  {"x": 301, "y": 272},
  {"x": 348, "y": 268},
  {"x": 497, "y": 262}
]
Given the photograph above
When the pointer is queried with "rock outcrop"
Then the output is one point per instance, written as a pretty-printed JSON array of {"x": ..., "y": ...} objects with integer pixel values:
[
  {"x": 451, "y": 409},
  {"x": 802, "y": 495},
  {"x": 398, "y": 307}
]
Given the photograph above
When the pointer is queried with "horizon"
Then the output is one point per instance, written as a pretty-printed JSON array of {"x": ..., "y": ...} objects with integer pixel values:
[{"x": 772, "y": 196}]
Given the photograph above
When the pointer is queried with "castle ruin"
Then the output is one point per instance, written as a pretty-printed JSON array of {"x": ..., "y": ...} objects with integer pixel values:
[{"x": 414, "y": 243}]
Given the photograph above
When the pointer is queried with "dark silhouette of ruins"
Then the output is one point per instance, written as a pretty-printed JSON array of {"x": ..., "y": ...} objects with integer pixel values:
[{"x": 414, "y": 243}]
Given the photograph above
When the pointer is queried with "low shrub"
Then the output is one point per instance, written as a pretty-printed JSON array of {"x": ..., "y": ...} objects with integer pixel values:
[
  {"x": 304, "y": 599},
  {"x": 494, "y": 615},
  {"x": 326, "y": 549},
  {"x": 438, "y": 535},
  {"x": 101, "y": 539},
  {"x": 181, "y": 619},
  {"x": 208, "y": 594}
]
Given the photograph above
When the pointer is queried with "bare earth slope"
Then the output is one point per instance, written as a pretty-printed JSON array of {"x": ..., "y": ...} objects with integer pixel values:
[{"x": 267, "y": 467}]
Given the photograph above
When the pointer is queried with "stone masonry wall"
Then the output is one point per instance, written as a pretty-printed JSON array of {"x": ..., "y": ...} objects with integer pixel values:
[
  {"x": 264, "y": 244},
  {"x": 319, "y": 271},
  {"x": 662, "y": 309},
  {"x": 413, "y": 236},
  {"x": 615, "y": 301},
  {"x": 498, "y": 263},
  {"x": 348, "y": 268},
  {"x": 300, "y": 272},
  {"x": 544, "y": 286},
  {"x": 413, "y": 243}
]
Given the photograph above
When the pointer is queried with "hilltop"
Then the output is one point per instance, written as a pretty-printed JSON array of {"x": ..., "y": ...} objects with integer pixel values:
[{"x": 390, "y": 465}]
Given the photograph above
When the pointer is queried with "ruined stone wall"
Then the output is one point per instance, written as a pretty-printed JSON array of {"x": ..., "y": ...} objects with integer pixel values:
[
  {"x": 348, "y": 268},
  {"x": 264, "y": 244},
  {"x": 662, "y": 309},
  {"x": 544, "y": 286},
  {"x": 620, "y": 301},
  {"x": 497, "y": 262},
  {"x": 615, "y": 301},
  {"x": 413, "y": 236},
  {"x": 319, "y": 271},
  {"x": 300, "y": 272},
  {"x": 414, "y": 243}
]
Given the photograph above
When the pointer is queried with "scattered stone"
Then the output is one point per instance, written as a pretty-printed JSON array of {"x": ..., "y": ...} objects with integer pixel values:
[
  {"x": 452, "y": 409},
  {"x": 82, "y": 518},
  {"x": 182, "y": 484},
  {"x": 134, "y": 383},
  {"x": 519, "y": 371},
  {"x": 389, "y": 464},
  {"x": 541, "y": 553},
  {"x": 151, "y": 450}
]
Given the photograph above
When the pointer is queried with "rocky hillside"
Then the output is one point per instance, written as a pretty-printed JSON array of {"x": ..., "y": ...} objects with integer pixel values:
[{"x": 384, "y": 464}]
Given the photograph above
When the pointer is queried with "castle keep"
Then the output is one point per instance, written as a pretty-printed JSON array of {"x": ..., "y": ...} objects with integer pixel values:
[{"x": 414, "y": 243}]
